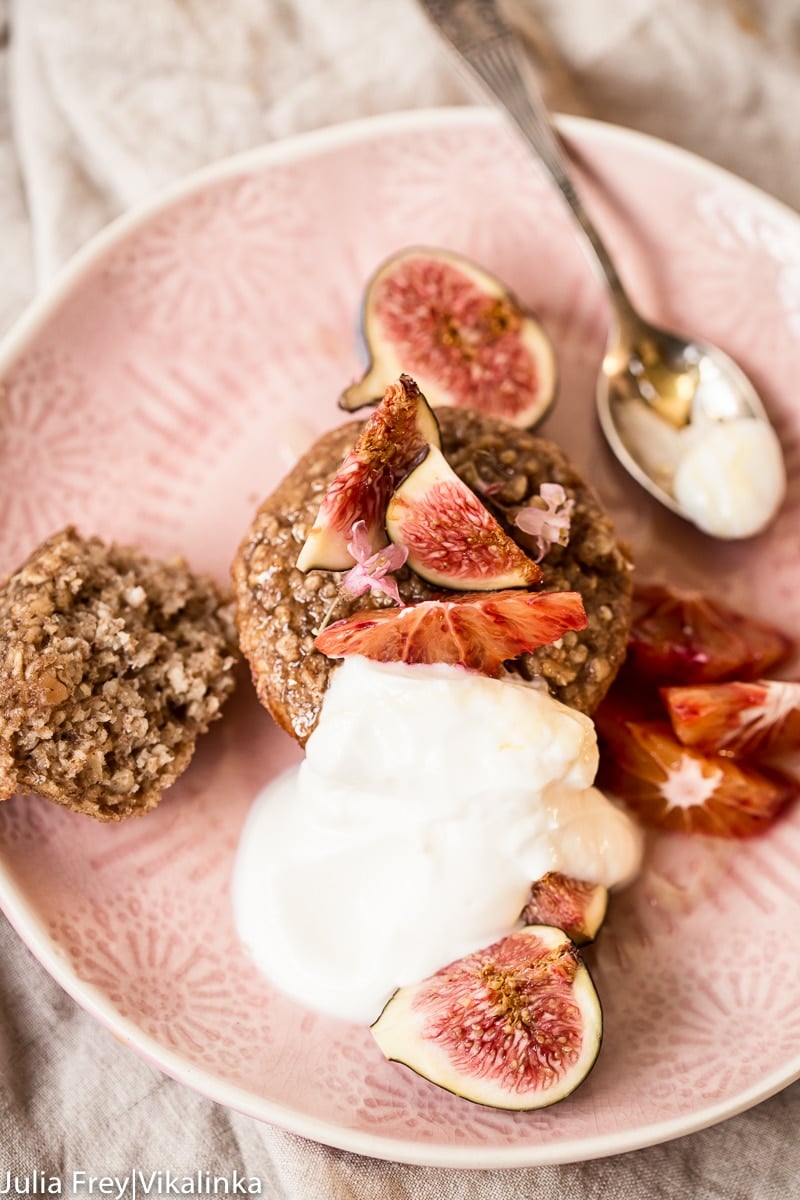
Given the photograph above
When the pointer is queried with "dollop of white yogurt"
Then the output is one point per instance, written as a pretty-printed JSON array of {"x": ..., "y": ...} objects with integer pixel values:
[
  {"x": 429, "y": 800},
  {"x": 730, "y": 477}
]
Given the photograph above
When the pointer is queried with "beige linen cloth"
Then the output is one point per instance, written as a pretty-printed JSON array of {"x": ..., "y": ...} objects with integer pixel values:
[{"x": 102, "y": 102}]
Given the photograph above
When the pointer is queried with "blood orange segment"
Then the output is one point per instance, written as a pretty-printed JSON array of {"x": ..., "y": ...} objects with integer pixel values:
[
  {"x": 683, "y": 637},
  {"x": 479, "y": 632},
  {"x": 393, "y": 440},
  {"x": 452, "y": 539},
  {"x": 738, "y": 718},
  {"x": 673, "y": 787}
]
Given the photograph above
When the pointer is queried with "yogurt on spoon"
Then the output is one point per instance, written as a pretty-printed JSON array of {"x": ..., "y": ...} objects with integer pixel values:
[
  {"x": 730, "y": 478},
  {"x": 725, "y": 471}
]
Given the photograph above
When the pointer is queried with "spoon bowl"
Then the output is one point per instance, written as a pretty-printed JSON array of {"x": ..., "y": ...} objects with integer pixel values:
[
  {"x": 654, "y": 384},
  {"x": 679, "y": 414}
]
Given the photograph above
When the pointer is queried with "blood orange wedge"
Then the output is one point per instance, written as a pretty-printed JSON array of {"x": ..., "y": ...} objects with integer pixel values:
[
  {"x": 682, "y": 637},
  {"x": 394, "y": 439},
  {"x": 736, "y": 718},
  {"x": 670, "y": 786},
  {"x": 479, "y": 632}
]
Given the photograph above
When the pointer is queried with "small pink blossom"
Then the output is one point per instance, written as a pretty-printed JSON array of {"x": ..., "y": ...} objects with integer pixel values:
[
  {"x": 372, "y": 571},
  {"x": 549, "y": 525}
]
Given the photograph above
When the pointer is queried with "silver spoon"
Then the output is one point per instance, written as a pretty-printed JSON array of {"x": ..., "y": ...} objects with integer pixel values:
[{"x": 679, "y": 414}]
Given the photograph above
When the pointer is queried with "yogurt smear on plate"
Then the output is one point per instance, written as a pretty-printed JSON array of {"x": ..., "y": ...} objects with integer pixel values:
[{"x": 428, "y": 801}]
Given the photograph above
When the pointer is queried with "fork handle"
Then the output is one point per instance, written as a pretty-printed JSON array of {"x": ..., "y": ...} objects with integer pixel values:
[{"x": 477, "y": 30}]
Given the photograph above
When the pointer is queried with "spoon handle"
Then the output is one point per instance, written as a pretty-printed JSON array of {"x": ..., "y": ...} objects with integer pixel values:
[{"x": 490, "y": 48}]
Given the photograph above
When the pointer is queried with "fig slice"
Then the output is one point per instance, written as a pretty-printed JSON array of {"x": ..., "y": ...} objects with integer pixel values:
[
  {"x": 577, "y": 907},
  {"x": 515, "y": 1026},
  {"x": 453, "y": 541},
  {"x": 460, "y": 333},
  {"x": 477, "y": 631},
  {"x": 394, "y": 438}
]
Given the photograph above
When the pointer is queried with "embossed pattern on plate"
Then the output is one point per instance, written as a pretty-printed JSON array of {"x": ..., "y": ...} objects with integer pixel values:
[{"x": 178, "y": 368}]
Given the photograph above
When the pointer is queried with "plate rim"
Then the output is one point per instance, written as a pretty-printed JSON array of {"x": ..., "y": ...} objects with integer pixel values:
[{"x": 22, "y": 915}]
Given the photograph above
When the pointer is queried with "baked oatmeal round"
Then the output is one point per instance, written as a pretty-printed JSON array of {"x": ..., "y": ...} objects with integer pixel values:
[
  {"x": 111, "y": 666},
  {"x": 278, "y": 608}
]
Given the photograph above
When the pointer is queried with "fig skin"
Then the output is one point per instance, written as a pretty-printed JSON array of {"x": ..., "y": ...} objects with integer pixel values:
[
  {"x": 460, "y": 332},
  {"x": 577, "y": 907},
  {"x": 393, "y": 440},
  {"x": 516, "y": 1026},
  {"x": 452, "y": 539}
]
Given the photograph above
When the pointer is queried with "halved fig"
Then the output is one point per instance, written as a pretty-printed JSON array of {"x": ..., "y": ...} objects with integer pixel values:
[
  {"x": 577, "y": 907},
  {"x": 515, "y": 1026},
  {"x": 394, "y": 438},
  {"x": 452, "y": 539},
  {"x": 460, "y": 333},
  {"x": 479, "y": 632}
]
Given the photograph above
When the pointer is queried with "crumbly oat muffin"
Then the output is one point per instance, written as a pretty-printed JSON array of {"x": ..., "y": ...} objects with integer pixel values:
[
  {"x": 111, "y": 665},
  {"x": 278, "y": 607}
]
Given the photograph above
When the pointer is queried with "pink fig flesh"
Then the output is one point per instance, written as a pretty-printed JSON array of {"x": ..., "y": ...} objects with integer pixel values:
[
  {"x": 460, "y": 333},
  {"x": 452, "y": 539},
  {"x": 394, "y": 438},
  {"x": 577, "y": 907}
]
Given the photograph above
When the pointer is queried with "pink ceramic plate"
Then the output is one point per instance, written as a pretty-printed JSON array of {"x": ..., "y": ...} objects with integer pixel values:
[{"x": 163, "y": 388}]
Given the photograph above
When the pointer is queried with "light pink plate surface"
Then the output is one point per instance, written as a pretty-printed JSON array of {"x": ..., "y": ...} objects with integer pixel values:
[{"x": 162, "y": 389}]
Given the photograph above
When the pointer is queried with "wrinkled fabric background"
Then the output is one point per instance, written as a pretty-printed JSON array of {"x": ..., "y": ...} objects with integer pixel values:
[{"x": 102, "y": 102}]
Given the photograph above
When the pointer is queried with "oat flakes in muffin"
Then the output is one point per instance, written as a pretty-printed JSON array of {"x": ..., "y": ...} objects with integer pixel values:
[{"x": 111, "y": 666}]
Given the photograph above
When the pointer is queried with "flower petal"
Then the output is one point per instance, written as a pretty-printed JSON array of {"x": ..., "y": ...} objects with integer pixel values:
[
  {"x": 388, "y": 586},
  {"x": 373, "y": 574},
  {"x": 359, "y": 545},
  {"x": 553, "y": 495},
  {"x": 531, "y": 520},
  {"x": 391, "y": 558},
  {"x": 549, "y": 525},
  {"x": 357, "y": 581}
]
